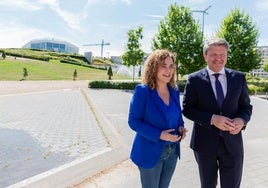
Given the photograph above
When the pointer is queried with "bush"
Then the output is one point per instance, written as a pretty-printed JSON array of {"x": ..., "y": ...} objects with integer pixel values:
[
  {"x": 129, "y": 85},
  {"x": 257, "y": 86},
  {"x": 181, "y": 85},
  {"x": 254, "y": 86},
  {"x": 113, "y": 84}
]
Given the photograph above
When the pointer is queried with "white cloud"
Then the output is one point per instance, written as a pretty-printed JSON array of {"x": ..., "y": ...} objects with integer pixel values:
[
  {"x": 22, "y": 4},
  {"x": 18, "y": 35},
  {"x": 72, "y": 20}
]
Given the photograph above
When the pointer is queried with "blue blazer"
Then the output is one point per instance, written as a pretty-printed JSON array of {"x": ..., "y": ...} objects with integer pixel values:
[
  {"x": 148, "y": 119},
  {"x": 199, "y": 104}
]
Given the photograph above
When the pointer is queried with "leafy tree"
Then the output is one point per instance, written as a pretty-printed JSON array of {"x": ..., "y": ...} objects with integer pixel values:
[
  {"x": 75, "y": 74},
  {"x": 4, "y": 55},
  {"x": 265, "y": 66},
  {"x": 110, "y": 73},
  {"x": 134, "y": 54},
  {"x": 242, "y": 34},
  {"x": 181, "y": 34},
  {"x": 24, "y": 73}
]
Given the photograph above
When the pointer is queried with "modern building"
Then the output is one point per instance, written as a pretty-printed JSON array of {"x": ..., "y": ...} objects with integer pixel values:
[
  {"x": 52, "y": 45},
  {"x": 260, "y": 72},
  {"x": 88, "y": 56},
  {"x": 116, "y": 59}
]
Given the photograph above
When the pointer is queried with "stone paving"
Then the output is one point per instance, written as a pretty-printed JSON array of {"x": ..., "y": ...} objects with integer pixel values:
[{"x": 45, "y": 129}]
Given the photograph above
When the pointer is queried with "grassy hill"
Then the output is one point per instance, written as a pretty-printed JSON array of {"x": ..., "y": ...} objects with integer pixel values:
[{"x": 11, "y": 68}]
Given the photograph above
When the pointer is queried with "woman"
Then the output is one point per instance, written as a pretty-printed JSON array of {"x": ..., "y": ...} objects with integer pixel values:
[{"x": 155, "y": 115}]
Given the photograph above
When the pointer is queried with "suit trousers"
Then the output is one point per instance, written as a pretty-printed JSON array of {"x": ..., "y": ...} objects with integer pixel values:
[{"x": 230, "y": 167}]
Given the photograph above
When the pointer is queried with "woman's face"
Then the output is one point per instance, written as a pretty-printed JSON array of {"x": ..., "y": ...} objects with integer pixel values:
[{"x": 165, "y": 71}]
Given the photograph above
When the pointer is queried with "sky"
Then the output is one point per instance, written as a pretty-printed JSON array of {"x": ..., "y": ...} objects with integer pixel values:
[{"x": 87, "y": 22}]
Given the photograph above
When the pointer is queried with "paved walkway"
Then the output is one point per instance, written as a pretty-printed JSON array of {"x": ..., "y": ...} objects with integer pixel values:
[
  {"x": 186, "y": 174},
  {"x": 44, "y": 125},
  {"x": 47, "y": 124}
]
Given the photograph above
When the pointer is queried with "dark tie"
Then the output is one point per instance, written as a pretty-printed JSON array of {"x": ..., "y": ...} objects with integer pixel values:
[{"x": 219, "y": 91}]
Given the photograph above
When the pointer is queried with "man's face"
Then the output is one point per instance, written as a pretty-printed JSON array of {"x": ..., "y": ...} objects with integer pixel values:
[{"x": 216, "y": 57}]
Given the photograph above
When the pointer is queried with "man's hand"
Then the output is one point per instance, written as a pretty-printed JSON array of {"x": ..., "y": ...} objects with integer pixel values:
[
  {"x": 239, "y": 124},
  {"x": 223, "y": 123}
]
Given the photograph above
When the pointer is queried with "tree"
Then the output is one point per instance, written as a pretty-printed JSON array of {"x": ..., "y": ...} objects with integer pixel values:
[
  {"x": 24, "y": 73},
  {"x": 75, "y": 74},
  {"x": 4, "y": 55},
  {"x": 134, "y": 54},
  {"x": 110, "y": 73},
  {"x": 242, "y": 34},
  {"x": 181, "y": 34},
  {"x": 265, "y": 66}
]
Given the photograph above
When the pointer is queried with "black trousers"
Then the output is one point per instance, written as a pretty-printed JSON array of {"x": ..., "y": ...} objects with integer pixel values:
[{"x": 229, "y": 167}]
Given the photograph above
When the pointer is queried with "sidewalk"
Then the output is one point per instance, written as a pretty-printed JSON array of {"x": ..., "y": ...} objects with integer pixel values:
[
  {"x": 51, "y": 135},
  {"x": 76, "y": 140},
  {"x": 186, "y": 174},
  {"x": 44, "y": 125}
]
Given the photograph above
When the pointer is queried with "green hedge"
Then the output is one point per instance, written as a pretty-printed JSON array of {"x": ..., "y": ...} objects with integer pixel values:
[
  {"x": 110, "y": 84},
  {"x": 113, "y": 84},
  {"x": 253, "y": 86},
  {"x": 257, "y": 86},
  {"x": 36, "y": 57}
]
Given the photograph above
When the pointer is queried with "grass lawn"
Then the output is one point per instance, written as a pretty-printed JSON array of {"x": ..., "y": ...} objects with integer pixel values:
[{"x": 12, "y": 69}]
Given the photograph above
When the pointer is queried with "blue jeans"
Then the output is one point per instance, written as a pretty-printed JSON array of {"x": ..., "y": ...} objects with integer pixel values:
[{"x": 160, "y": 175}]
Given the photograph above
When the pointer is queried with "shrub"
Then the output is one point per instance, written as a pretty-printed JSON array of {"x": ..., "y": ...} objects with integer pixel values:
[
  {"x": 113, "y": 84},
  {"x": 257, "y": 86},
  {"x": 129, "y": 85}
]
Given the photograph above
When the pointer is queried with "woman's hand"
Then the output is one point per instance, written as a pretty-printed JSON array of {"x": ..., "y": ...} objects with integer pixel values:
[
  {"x": 167, "y": 135},
  {"x": 182, "y": 131}
]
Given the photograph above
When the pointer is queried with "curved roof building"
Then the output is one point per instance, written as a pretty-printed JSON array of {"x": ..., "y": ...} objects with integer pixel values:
[{"x": 52, "y": 45}]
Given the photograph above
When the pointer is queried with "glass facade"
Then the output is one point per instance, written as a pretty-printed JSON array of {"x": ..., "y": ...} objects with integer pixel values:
[{"x": 52, "y": 45}]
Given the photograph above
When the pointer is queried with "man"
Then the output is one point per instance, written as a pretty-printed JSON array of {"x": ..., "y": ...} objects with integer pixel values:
[{"x": 219, "y": 106}]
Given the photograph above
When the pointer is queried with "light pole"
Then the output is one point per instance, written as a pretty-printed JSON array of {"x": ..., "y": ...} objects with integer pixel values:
[{"x": 203, "y": 21}]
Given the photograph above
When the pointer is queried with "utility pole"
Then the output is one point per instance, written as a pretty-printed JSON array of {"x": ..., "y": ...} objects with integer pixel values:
[
  {"x": 101, "y": 44},
  {"x": 203, "y": 21}
]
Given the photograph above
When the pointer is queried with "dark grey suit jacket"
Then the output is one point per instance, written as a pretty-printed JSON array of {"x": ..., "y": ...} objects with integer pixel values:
[{"x": 199, "y": 104}]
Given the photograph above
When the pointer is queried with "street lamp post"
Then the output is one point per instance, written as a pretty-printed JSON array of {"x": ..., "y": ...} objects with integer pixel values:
[{"x": 203, "y": 21}]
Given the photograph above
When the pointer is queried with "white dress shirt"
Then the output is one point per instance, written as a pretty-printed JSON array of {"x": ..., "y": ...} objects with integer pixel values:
[{"x": 222, "y": 79}]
